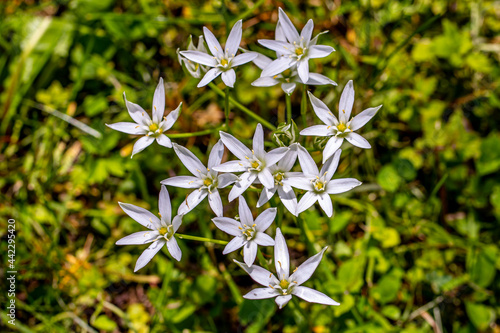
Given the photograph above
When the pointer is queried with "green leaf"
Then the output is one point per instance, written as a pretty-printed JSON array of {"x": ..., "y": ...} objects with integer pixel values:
[
  {"x": 103, "y": 322},
  {"x": 388, "y": 178},
  {"x": 480, "y": 315}
]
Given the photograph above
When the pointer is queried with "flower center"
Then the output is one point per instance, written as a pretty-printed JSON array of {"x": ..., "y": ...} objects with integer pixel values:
[
  {"x": 224, "y": 62},
  {"x": 299, "y": 51},
  {"x": 207, "y": 182},
  {"x": 319, "y": 185},
  {"x": 341, "y": 127},
  {"x": 248, "y": 232},
  {"x": 255, "y": 165},
  {"x": 153, "y": 127},
  {"x": 284, "y": 284},
  {"x": 167, "y": 232},
  {"x": 278, "y": 178}
]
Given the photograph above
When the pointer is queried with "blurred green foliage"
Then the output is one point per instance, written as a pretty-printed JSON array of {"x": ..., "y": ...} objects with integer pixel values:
[{"x": 415, "y": 249}]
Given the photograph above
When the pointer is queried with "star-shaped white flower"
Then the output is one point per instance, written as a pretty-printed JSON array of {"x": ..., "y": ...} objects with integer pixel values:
[
  {"x": 161, "y": 230},
  {"x": 281, "y": 172},
  {"x": 286, "y": 285},
  {"x": 340, "y": 128},
  {"x": 196, "y": 70},
  {"x": 151, "y": 128},
  {"x": 222, "y": 60},
  {"x": 206, "y": 180},
  {"x": 319, "y": 184},
  {"x": 295, "y": 50},
  {"x": 247, "y": 232},
  {"x": 253, "y": 163}
]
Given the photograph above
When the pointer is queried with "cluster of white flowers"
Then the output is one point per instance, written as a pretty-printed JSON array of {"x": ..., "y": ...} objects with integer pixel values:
[{"x": 272, "y": 169}]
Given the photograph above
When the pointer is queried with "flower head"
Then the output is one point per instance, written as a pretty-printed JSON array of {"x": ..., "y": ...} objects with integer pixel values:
[
  {"x": 152, "y": 128},
  {"x": 248, "y": 233},
  {"x": 254, "y": 163},
  {"x": 286, "y": 285},
  {"x": 319, "y": 184},
  {"x": 206, "y": 181},
  {"x": 161, "y": 231},
  {"x": 196, "y": 70},
  {"x": 342, "y": 128},
  {"x": 293, "y": 49},
  {"x": 222, "y": 60}
]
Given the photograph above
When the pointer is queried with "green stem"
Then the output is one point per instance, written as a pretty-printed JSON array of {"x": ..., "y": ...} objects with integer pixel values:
[
  {"x": 201, "y": 239},
  {"x": 288, "y": 109},
  {"x": 188, "y": 135},
  {"x": 226, "y": 107},
  {"x": 242, "y": 107},
  {"x": 303, "y": 105}
]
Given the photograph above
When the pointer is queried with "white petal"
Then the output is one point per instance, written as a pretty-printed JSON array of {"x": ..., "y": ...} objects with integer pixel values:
[
  {"x": 200, "y": 58},
  {"x": 216, "y": 154},
  {"x": 288, "y": 198},
  {"x": 307, "y": 268},
  {"x": 258, "y": 274},
  {"x": 164, "y": 141},
  {"x": 288, "y": 88},
  {"x": 174, "y": 249},
  {"x": 357, "y": 140},
  {"x": 137, "y": 113},
  {"x": 234, "y": 39},
  {"x": 306, "y": 32},
  {"x": 249, "y": 253},
  {"x": 258, "y": 142},
  {"x": 138, "y": 238},
  {"x": 164, "y": 205},
  {"x": 319, "y": 51},
  {"x": 313, "y": 296},
  {"x": 159, "y": 102},
  {"x": 346, "y": 102},
  {"x": 129, "y": 128},
  {"x": 148, "y": 254},
  {"x": 141, "y": 215},
  {"x": 177, "y": 221},
  {"x": 307, "y": 163},
  {"x": 306, "y": 201},
  {"x": 301, "y": 182},
  {"x": 314, "y": 41},
  {"x": 331, "y": 164},
  {"x": 303, "y": 70},
  {"x": 288, "y": 160},
  {"x": 209, "y": 77},
  {"x": 172, "y": 117},
  {"x": 260, "y": 60},
  {"x": 212, "y": 42},
  {"x": 141, "y": 144},
  {"x": 183, "y": 181},
  {"x": 326, "y": 204},
  {"x": 263, "y": 239},
  {"x": 265, "y": 219},
  {"x": 288, "y": 28},
  {"x": 246, "y": 179},
  {"x": 361, "y": 119},
  {"x": 192, "y": 200},
  {"x": 277, "y": 66},
  {"x": 276, "y": 45},
  {"x": 235, "y": 146},
  {"x": 267, "y": 81},
  {"x": 244, "y": 211},
  {"x": 228, "y": 225},
  {"x": 316, "y": 130},
  {"x": 261, "y": 293},
  {"x": 266, "y": 178},
  {"x": 331, "y": 147},
  {"x": 275, "y": 155},
  {"x": 279, "y": 34},
  {"x": 316, "y": 79},
  {"x": 322, "y": 111},
  {"x": 229, "y": 77},
  {"x": 342, "y": 185},
  {"x": 190, "y": 161},
  {"x": 226, "y": 179},
  {"x": 283, "y": 300},
  {"x": 281, "y": 256},
  {"x": 234, "y": 244},
  {"x": 215, "y": 203},
  {"x": 265, "y": 195},
  {"x": 231, "y": 166},
  {"x": 243, "y": 58}
]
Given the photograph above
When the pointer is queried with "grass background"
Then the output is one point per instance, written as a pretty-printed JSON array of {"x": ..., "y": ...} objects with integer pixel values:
[{"x": 415, "y": 249}]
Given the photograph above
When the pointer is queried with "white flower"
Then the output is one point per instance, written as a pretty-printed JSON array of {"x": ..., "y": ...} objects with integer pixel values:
[
  {"x": 340, "y": 128},
  {"x": 281, "y": 172},
  {"x": 286, "y": 285},
  {"x": 249, "y": 233},
  {"x": 206, "y": 180},
  {"x": 223, "y": 60},
  {"x": 151, "y": 128},
  {"x": 295, "y": 50},
  {"x": 319, "y": 184},
  {"x": 253, "y": 163},
  {"x": 196, "y": 70},
  {"x": 161, "y": 230}
]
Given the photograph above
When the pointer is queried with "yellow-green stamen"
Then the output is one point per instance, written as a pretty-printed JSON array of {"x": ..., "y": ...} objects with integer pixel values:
[
  {"x": 341, "y": 127},
  {"x": 284, "y": 284}
]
